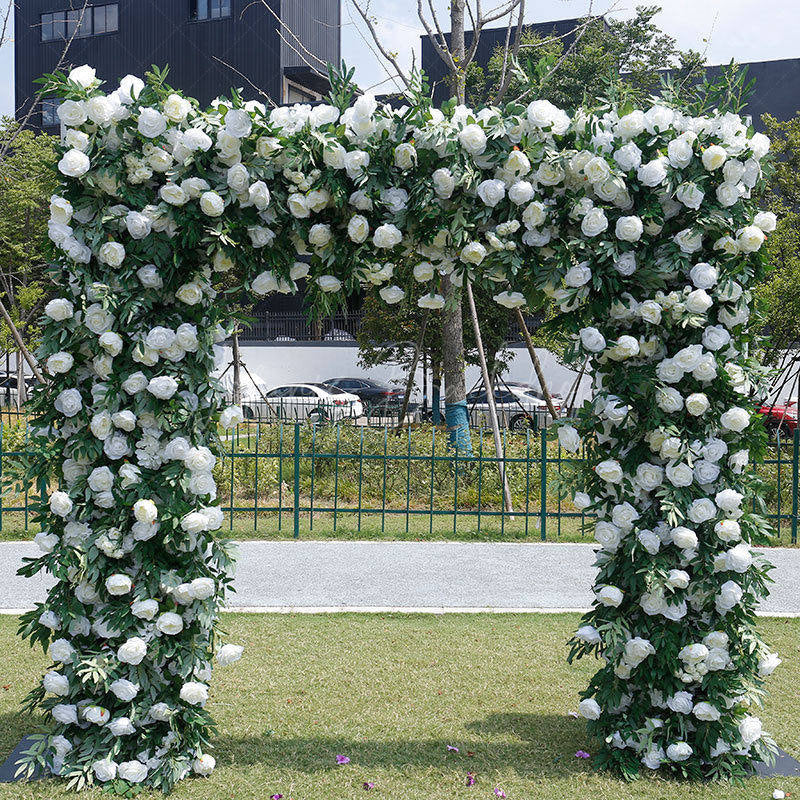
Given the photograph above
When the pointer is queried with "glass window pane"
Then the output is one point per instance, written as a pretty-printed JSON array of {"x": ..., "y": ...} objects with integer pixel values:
[
  {"x": 85, "y": 22},
  {"x": 59, "y": 25},
  {"x": 225, "y": 8},
  {"x": 112, "y": 17},
  {"x": 215, "y": 9},
  {"x": 202, "y": 9},
  {"x": 72, "y": 23},
  {"x": 47, "y": 27},
  {"x": 100, "y": 19}
]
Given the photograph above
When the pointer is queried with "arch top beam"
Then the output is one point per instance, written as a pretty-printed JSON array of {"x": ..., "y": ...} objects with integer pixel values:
[{"x": 639, "y": 225}]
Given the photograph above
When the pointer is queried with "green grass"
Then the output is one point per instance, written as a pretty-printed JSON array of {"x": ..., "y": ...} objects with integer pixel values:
[{"x": 391, "y": 692}]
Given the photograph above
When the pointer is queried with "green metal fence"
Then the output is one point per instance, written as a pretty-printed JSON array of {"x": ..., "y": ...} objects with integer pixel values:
[{"x": 298, "y": 479}]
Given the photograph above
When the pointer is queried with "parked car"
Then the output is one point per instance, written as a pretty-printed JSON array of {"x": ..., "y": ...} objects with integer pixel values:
[
  {"x": 252, "y": 393},
  {"x": 783, "y": 415},
  {"x": 519, "y": 407},
  {"x": 375, "y": 397},
  {"x": 311, "y": 401},
  {"x": 8, "y": 388}
]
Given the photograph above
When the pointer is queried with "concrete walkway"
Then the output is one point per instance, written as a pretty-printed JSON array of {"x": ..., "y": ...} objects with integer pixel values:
[{"x": 313, "y": 576}]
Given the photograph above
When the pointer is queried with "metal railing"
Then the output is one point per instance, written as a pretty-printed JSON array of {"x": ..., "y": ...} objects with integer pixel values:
[{"x": 298, "y": 478}]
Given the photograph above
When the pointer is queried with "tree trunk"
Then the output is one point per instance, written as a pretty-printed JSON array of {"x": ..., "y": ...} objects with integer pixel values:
[
  {"x": 455, "y": 403},
  {"x": 436, "y": 391},
  {"x": 455, "y": 391},
  {"x": 22, "y": 395},
  {"x": 237, "y": 378}
]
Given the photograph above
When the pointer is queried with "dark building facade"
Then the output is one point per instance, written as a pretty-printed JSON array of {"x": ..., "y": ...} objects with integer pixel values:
[{"x": 209, "y": 45}]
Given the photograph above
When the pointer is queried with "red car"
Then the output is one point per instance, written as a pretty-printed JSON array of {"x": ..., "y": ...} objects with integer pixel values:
[{"x": 783, "y": 415}]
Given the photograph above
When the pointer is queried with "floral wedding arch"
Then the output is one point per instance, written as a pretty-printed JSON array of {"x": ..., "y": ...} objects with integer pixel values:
[{"x": 639, "y": 224}]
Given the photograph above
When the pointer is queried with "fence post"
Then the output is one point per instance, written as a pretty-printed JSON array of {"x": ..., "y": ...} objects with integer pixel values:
[
  {"x": 795, "y": 453},
  {"x": 543, "y": 489},
  {"x": 297, "y": 480}
]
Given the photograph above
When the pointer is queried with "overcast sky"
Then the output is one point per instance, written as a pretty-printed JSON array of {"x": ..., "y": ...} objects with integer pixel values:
[{"x": 747, "y": 30}]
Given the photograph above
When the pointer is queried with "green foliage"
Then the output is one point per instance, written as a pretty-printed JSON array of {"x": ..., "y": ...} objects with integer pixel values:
[{"x": 27, "y": 180}]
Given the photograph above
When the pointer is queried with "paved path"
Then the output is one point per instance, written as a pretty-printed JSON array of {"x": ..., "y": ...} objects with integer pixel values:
[{"x": 426, "y": 576}]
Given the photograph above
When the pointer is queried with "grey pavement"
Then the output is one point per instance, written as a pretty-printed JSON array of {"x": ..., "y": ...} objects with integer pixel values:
[{"x": 426, "y": 576}]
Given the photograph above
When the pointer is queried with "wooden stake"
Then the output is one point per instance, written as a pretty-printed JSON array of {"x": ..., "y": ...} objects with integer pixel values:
[
  {"x": 20, "y": 344},
  {"x": 536, "y": 364},
  {"x": 498, "y": 445}
]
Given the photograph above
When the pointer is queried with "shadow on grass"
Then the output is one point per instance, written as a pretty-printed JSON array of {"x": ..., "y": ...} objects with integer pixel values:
[
  {"x": 542, "y": 745},
  {"x": 13, "y": 727}
]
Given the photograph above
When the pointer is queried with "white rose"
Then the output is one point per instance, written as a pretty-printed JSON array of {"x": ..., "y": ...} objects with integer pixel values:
[
  {"x": 387, "y": 236},
  {"x": 68, "y": 402},
  {"x": 628, "y": 157},
  {"x": 650, "y": 541},
  {"x": 669, "y": 399},
  {"x": 228, "y": 654},
  {"x": 578, "y": 275},
  {"x": 683, "y": 538},
  {"x": 520, "y": 192},
  {"x": 118, "y": 584},
  {"x": 649, "y": 476},
  {"x": 319, "y": 235},
  {"x": 391, "y": 294},
  {"x": 607, "y": 535},
  {"x": 59, "y": 309},
  {"x": 750, "y": 730},
  {"x": 190, "y": 293},
  {"x": 592, "y": 340},
  {"x": 60, "y": 504},
  {"x": 472, "y": 139},
  {"x": 510, "y": 299},
  {"x": 610, "y": 596},
  {"x": 56, "y": 683},
  {"x": 589, "y": 709},
  {"x": 329, "y": 283},
  {"x": 609, "y": 471},
  {"x": 714, "y": 157},
  {"x": 653, "y": 173},
  {"x": 697, "y": 404},
  {"x": 443, "y": 183},
  {"x": 629, "y": 229},
  {"x": 74, "y": 164},
  {"x": 765, "y": 220},
  {"x": 750, "y": 238},
  {"x": 472, "y": 253},
  {"x": 735, "y": 419},
  {"x": 204, "y": 765},
  {"x": 144, "y": 609},
  {"x": 768, "y": 664},
  {"x": 132, "y": 651},
  {"x": 689, "y": 240},
  {"x": 170, "y": 623},
  {"x": 132, "y": 771},
  {"x": 594, "y": 222},
  {"x": 211, "y": 204},
  {"x": 491, "y": 192},
  {"x": 626, "y": 263},
  {"x": 701, "y": 510},
  {"x": 196, "y": 694},
  {"x": 730, "y": 595},
  {"x": 679, "y": 474},
  {"x": 72, "y": 112},
  {"x": 432, "y": 301},
  {"x": 151, "y": 123},
  {"x": 162, "y": 387}
]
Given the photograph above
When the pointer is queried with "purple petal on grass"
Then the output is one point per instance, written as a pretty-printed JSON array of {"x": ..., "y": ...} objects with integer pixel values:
[
  {"x": 582, "y": 754},
  {"x": 499, "y": 792},
  {"x": 368, "y": 785},
  {"x": 470, "y": 779},
  {"x": 275, "y": 797},
  {"x": 452, "y": 749},
  {"x": 342, "y": 760}
]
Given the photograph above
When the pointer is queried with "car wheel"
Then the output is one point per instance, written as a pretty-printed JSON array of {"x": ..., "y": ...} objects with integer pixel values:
[{"x": 521, "y": 423}]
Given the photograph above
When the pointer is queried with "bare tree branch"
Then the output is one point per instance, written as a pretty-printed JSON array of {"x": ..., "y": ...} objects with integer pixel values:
[
  {"x": 505, "y": 75},
  {"x": 391, "y": 58}
]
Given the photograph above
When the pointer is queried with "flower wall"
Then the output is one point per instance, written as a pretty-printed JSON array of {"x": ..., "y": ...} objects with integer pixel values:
[{"x": 638, "y": 224}]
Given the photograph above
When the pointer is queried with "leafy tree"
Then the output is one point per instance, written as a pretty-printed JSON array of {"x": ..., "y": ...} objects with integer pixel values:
[
  {"x": 27, "y": 180},
  {"x": 779, "y": 296},
  {"x": 635, "y": 50}
]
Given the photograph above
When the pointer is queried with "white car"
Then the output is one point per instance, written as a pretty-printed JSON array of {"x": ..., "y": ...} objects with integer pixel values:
[
  {"x": 311, "y": 401},
  {"x": 252, "y": 393},
  {"x": 519, "y": 407}
]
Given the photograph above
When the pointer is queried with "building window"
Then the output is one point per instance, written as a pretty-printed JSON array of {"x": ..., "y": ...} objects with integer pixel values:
[
  {"x": 50, "y": 112},
  {"x": 297, "y": 94},
  {"x": 209, "y": 9},
  {"x": 91, "y": 21}
]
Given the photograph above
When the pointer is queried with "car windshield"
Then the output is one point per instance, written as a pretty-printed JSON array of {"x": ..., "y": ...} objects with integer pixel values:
[{"x": 328, "y": 387}]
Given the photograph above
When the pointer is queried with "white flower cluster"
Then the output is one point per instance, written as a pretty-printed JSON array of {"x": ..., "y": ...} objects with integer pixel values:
[
  {"x": 159, "y": 197},
  {"x": 668, "y": 436}
]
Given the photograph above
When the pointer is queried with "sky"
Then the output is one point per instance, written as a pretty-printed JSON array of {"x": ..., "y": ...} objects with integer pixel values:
[{"x": 747, "y": 30}]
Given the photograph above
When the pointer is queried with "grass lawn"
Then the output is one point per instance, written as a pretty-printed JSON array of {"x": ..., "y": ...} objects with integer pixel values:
[{"x": 391, "y": 692}]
